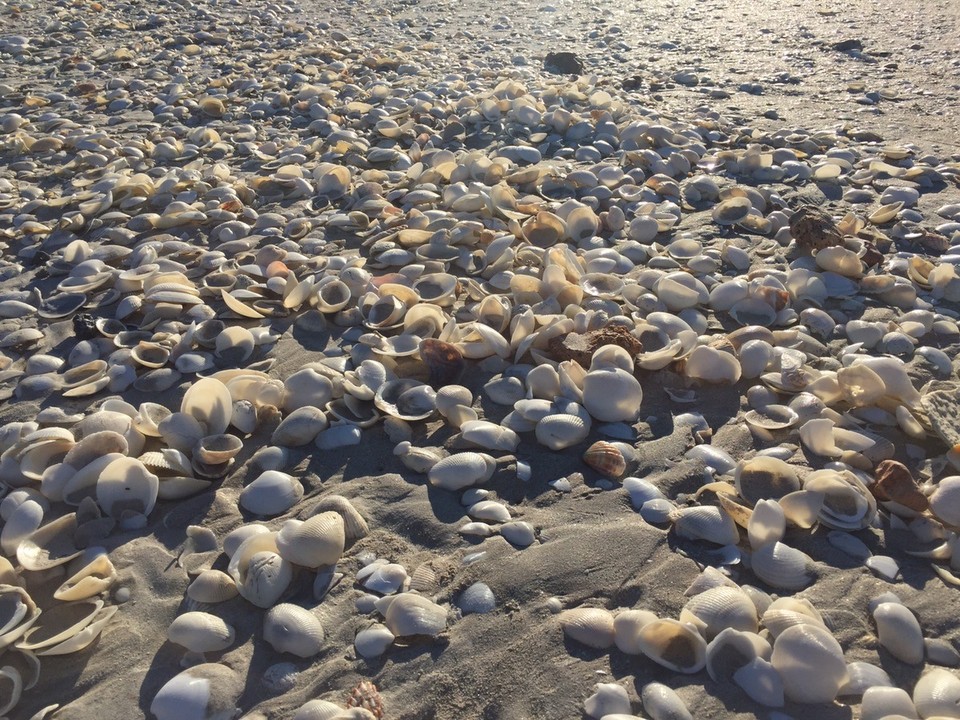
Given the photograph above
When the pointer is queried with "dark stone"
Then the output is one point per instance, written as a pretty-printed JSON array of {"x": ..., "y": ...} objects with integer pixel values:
[
  {"x": 563, "y": 63},
  {"x": 84, "y": 326},
  {"x": 848, "y": 45}
]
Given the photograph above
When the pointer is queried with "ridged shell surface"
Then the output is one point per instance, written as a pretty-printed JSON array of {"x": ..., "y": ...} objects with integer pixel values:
[
  {"x": 591, "y": 626},
  {"x": 315, "y": 542},
  {"x": 292, "y": 629},
  {"x": 410, "y": 614},
  {"x": 201, "y": 632},
  {"x": 811, "y": 664},
  {"x": 675, "y": 645}
]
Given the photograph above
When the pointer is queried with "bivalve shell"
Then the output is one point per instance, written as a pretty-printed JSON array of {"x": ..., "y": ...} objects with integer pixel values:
[{"x": 292, "y": 629}]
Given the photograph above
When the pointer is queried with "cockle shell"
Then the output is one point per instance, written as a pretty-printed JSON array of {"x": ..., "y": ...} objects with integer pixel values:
[
  {"x": 880, "y": 702},
  {"x": 606, "y": 459},
  {"x": 462, "y": 470},
  {"x": 208, "y": 401},
  {"x": 271, "y": 493},
  {"x": 783, "y": 567},
  {"x": 317, "y": 541},
  {"x": 300, "y": 427},
  {"x": 561, "y": 431},
  {"x": 591, "y": 626},
  {"x": 292, "y": 629},
  {"x": 899, "y": 632},
  {"x": 260, "y": 573},
  {"x": 409, "y": 614},
  {"x": 705, "y": 522},
  {"x": 810, "y": 663},
  {"x": 675, "y": 645},
  {"x": 717, "y": 608},
  {"x": 354, "y": 525},
  {"x": 937, "y": 694},
  {"x": 612, "y": 395},
  {"x": 763, "y": 477},
  {"x": 201, "y": 632},
  {"x": 626, "y": 627},
  {"x": 608, "y": 699},
  {"x": 212, "y": 586},
  {"x": 661, "y": 702}
]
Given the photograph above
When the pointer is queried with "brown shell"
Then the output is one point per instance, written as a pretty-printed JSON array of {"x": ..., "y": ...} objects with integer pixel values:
[
  {"x": 894, "y": 482},
  {"x": 365, "y": 695},
  {"x": 606, "y": 459},
  {"x": 444, "y": 361},
  {"x": 582, "y": 346},
  {"x": 813, "y": 229}
]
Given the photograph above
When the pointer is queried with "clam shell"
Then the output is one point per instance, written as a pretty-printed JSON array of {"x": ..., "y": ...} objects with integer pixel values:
[
  {"x": 899, "y": 632},
  {"x": 717, "y": 608},
  {"x": 317, "y": 541},
  {"x": 608, "y": 699},
  {"x": 626, "y": 626},
  {"x": 93, "y": 578},
  {"x": 783, "y": 567},
  {"x": 373, "y": 641},
  {"x": 764, "y": 477},
  {"x": 60, "y": 622},
  {"x": 201, "y": 632},
  {"x": 674, "y": 645},
  {"x": 291, "y": 629},
  {"x": 731, "y": 650},
  {"x": 561, "y": 431},
  {"x": 406, "y": 399},
  {"x": 126, "y": 486},
  {"x": 50, "y": 545},
  {"x": 461, "y": 470},
  {"x": 612, "y": 395},
  {"x": 881, "y": 702},
  {"x": 767, "y": 523},
  {"x": 208, "y": 401},
  {"x": 216, "y": 449},
  {"x": 354, "y": 525},
  {"x": 409, "y": 614},
  {"x": 209, "y": 691},
  {"x": 661, "y": 702},
  {"x": 18, "y": 613},
  {"x": 260, "y": 573},
  {"x": 593, "y": 627},
  {"x": 271, "y": 493},
  {"x": 212, "y": 586},
  {"x": 937, "y": 694},
  {"x": 606, "y": 459},
  {"x": 761, "y": 682},
  {"x": 300, "y": 427},
  {"x": 810, "y": 663},
  {"x": 705, "y": 522}
]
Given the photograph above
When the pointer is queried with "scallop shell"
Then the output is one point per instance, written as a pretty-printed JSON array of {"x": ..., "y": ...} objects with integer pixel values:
[
  {"x": 462, "y": 470},
  {"x": 899, "y": 632},
  {"x": 208, "y": 691},
  {"x": 271, "y": 493},
  {"x": 201, "y": 632},
  {"x": 717, "y": 608},
  {"x": 409, "y": 614},
  {"x": 810, "y": 663},
  {"x": 354, "y": 525},
  {"x": 606, "y": 459},
  {"x": 315, "y": 542},
  {"x": 212, "y": 586},
  {"x": 561, "y": 431},
  {"x": 208, "y": 401},
  {"x": 593, "y": 627},
  {"x": 783, "y": 567},
  {"x": 674, "y": 645},
  {"x": 291, "y": 629}
]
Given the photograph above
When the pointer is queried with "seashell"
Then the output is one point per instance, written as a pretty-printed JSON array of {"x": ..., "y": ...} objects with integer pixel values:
[
  {"x": 847, "y": 504},
  {"x": 518, "y": 533},
  {"x": 409, "y": 614},
  {"x": 761, "y": 682},
  {"x": 763, "y": 478},
  {"x": 881, "y": 702},
  {"x": 18, "y": 613},
  {"x": 937, "y": 694},
  {"x": 406, "y": 399},
  {"x": 212, "y": 586},
  {"x": 477, "y": 599},
  {"x": 674, "y": 645},
  {"x": 899, "y": 632},
  {"x": 23, "y": 521},
  {"x": 354, "y": 525},
  {"x": 717, "y": 608},
  {"x": 181, "y": 431},
  {"x": 291, "y": 629},
  {"x": 767, "y": 523},
  {"x": 864, "y": 676},
  {"x": 60, "y": 623},
  {"x": 606, "y": 459},
  {"x": 593, "y": 627},
  {"x": 307, "y": 387},
  {"x": 607, "y": 699},
  {"x": 444, "y": 361},
  {"x": 787, "y": 612},
  {"x": 489, "y": 436},
  {"x": 627, "y": 625},
  {"x": 271, "y": 493},
  {"x": 313, "y": 543},
  {"x": 561, "y": 431},
  {"x": 209, "y": 691},
  {"x": 208, "y": 401},
  {"x": 216, "y": 449},
  {"x": 373, "y": 641},
  {"x": 662, "y": 703},
  {"x": 783, "y": 567},
  {"x": 713, "y": 366},
  {"x": 94, "y": 577},
  {"x": 883, "y": 566},
  {"x": 489, "y": 511},
  {"x": 338, "y": 436},
  {"x": 260, "y": 573},
  {"x": 50, "y": 545},
  {"x": 452, "y": 396},
  {"x": 772, "y": 417},
  {"x": 731, "y": 211},
  {"x": 300, "y": 427},
  {"x": 462, "y": 470},
  {"x": 810, "y": 663},
  {"x": 731, "y": 650},
  {"x": 705, "y": 522},
  {"x": 945, "y": 500},
  {"x": 126, "y": 487},
  {"x": 383, "y": 577},
  {"x": 201, "y": 632},
  {"x": 612, "y": 395}
]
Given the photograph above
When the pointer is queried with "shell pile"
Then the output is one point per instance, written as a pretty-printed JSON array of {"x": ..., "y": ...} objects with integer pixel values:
[{"x": 222, "y": 285}]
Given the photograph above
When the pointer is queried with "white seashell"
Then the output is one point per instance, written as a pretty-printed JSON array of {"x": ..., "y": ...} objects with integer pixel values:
[
  {"x": 260, "y": 573},
  {"x": 489, "y": 511},
  {"x": 593, "y": 627},
  {"x": 410, "y": 614},
  {"x": 864, "y": 676},
  {"x": 705, "y": 522},
  {"x": 761, "y": 681},
  {"x": 518, "y": 533},
  {"x": 339, "y": 436},
  {"x": 373, "y": 641},
  {"x": 300, "y": 427},
  {"x": 712, "y": 366},
  {"x": 612, "y": 395},
  {"x": 717, "y": 608},
  {"x": 764, "y": 477},
  {"x": 899, "y": 632},
  {"x": 641, "y": 491},
  {"x": 786, "y": 612},
  {"x": 937, "y": 694},
  {"x": 476, "y": 529},
  {"x": 291, "y": 629},
  {"x": 23, "y": 521},
  {"x": 201, "y": 632},
  {"x": 881, "y": 702},
  {"x": 306, "y": 387},
  {"x": 883, "y": 566},
  {"x": 783, "y": 567},
  {"x": 317, "y": 541},
  {"x": 767, "y": 523},
  {"x": 212, "y": 586},
  {"x": 802, "y": 508},
  {"x": 462, "y": 470},
  {"x": 810, "y": 663},
  {"x": 50, "y": 545},
  {"x": 354, "y": 525},
  {"x": 92, "y": 578},
  {"x": 235, "y": 538},
  {"x": 675, "y": 645},
  {"x": 662, "y": 703},
  {"x": 730, "y": 650},
  {"x": 450, "y": 396},
  {"x": 208, "y": 401},
  {"x": 626, "y": 628},
  {"x": 61, "y": 623},
  {"x": 561, "y": 431},
  {"x": 319, "y": 710},
  {"x": 945, "y": 500},
  {"x": 207, "y": 692},
  {"x": 755, "y": 356},
  {"x": 489, "y": 436},
  {"x": 383, "y": 578},
  {"x": 271, "y": 493},
  {"x": 477, "y": 599},
  {"x": 607, "y": 699},
  {"x": 505, "y": 390}
]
